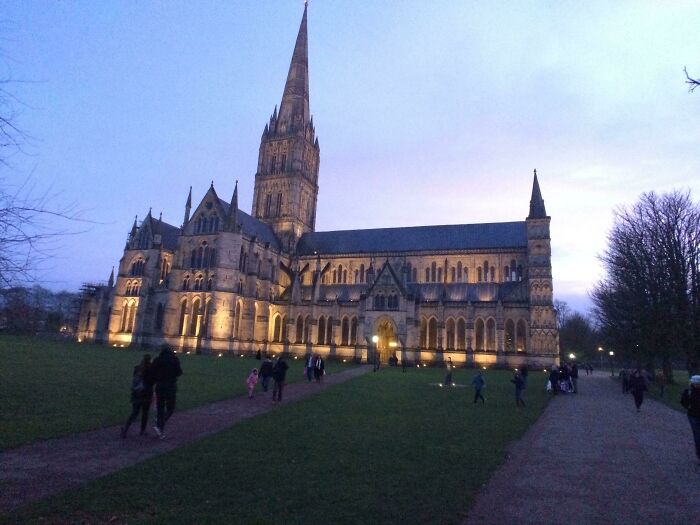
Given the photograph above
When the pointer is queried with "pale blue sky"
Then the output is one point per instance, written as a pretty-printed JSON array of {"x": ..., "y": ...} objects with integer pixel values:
[{"x": 426, "y": 112}]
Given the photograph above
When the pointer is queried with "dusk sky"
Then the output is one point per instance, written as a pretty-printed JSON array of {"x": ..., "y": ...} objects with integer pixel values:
[{"x": 427, "y": 112}]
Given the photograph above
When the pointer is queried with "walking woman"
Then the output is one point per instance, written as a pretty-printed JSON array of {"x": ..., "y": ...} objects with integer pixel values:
[
  {"x": 141, "y": 395},
  {"x": 637, "y": 385}
]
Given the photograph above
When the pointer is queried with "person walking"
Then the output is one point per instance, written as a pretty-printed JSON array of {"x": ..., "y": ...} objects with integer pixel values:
[
  {"x": 691, "y": 402},
  {"x": 519, "y": 387},
  {"x": 141, "y": 395},
  {"x": 265, "y": 373},
  {"x": 554, "y": 380},
  {"x": 279, "y": 374},
  {"x": 164, "y": 371},
  {"x": 251, "y": 382},
  {"x": 309, "y": 369},
  {"x": 479, "y": 383},
  {"x": 574, "y": 377},
  {"x": 524, "y": 371},
  {"x": 448, "y": 376},
  {"x": 319, "y": 369},
  {"x": 637, "y": 385}
]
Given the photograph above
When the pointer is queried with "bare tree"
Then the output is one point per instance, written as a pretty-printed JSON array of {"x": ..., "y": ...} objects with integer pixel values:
[
  {"x": 692, "y": 82},
  {"x": 562, "y": 310}
]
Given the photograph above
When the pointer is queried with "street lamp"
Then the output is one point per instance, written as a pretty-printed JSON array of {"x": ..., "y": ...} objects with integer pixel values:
[
  {"x": 600, "y": 352},
  {"x": 572, "y": 356},
  {"x": 612, "y": 363},
  {"x": 375, "y": 340}
]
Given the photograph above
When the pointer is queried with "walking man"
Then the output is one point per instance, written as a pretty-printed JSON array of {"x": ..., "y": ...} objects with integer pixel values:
[
  {"x": 165, "y": 370},
  {"x": 279, "y": 374},
  {"x": 691, "y": 402},
  {"x": 266, "y": 373},
  {"x": 479, "y": 383},
  {"x": 519, "y": 387},
  {"x": 574, "y": 377}
]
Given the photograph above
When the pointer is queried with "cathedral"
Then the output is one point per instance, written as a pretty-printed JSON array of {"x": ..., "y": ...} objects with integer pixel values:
[{"x": 229, "y": 282}]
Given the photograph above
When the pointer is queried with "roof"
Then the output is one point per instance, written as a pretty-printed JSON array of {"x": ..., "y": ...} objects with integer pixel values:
[
  {"x": 417, "y": 238},
  {"x": 168, "y": 233},
  {"x": 254, "y": 227}
]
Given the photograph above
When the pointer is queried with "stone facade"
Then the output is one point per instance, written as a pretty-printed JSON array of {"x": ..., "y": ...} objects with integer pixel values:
[{"x": 226, "y": 281}]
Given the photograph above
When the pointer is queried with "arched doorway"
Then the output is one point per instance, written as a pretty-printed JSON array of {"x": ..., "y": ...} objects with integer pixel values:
[{"x": 387, "y": 342}]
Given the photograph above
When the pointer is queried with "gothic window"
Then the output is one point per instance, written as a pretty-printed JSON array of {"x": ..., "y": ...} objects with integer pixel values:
[
  {"x": 206, "y": 318},
  {"x": 321, "y": 340},
  {"x": 506, "y": 273},
  {"x": 210, "y": 283},
  {"x": 194, "y": 324},
  {"x": 240, "y": 286},
  {"x": 335, "y": 276},
  {"x": 132, "y": 315},
  {"x": 345, "y": 332},
  {"x": 237, "y": 318},
  {"x": 212, "y": 258},
  {"x": 486, "y": 271},
  {"x": 478, "y": 274},
  {"x": 200, "y": 255},
  {"x": 284, "y": 329},
  {"x": 520, "y": 273},
  {"x": 450, "y": 326},
  {"x": 193, "y": 259},
  {"x": 186, "y": 283},
  {"x": 198, "y": 283},
  {"x": 137, "y": 267},
  {"x": 459, "y": 271},
  {"x": 415, "y": 275},
  {"x": 164, "y": 269},
  {"x": 427, "y": 275},
  {"x": 513, "y": 271},
  {"x": 433, "y": 273},
  {"x": 362, "y": 273},
  {"x": 493, "y": 274},
  {"x": 159, "y": 316},
  {"x": 479, "y": 329},
  {"x": 125, "y": 316},
  {"x": 432, "y": 333},
  {"x": 408, "y": 272},
  {"x": 273, "y": 163},
  {"x": 439, "y": 274},
  {"x": 453, "y": 274},
  {"x": 241, "y": 260},
  {"x": 521, "y": 337},
  {"x": 353, "y": 331},
  {"x": 329, "y": 331},
  {"x": 268, "y": 201},
  {"x": 461, "y": 333},
  {"x": 466, "y": 274},
  {"x": 423, "y": 332},
  {"x": 183, "y": 313},
  {"x": 277, "y": 329},
  {"x": 357, "y": 276},
  {"x": 278, "y": 206},
  {"x": 307, "y": 329},
  {"x": 284, "y": 162},
  {"x": 299, "y": 335},
  {"x": 491, "y": 335},
  {"x": 509, "y": 335}
]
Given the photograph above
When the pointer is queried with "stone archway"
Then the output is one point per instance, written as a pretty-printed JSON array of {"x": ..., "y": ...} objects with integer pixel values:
[{"x": 387, "y": 340}]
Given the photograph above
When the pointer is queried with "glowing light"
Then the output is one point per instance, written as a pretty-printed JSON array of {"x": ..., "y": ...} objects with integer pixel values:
[
  {"x": 296, "y": 357},
  {"x": 611, "y": 352},
  {"x": 417, "y": 366},
  {"x": 188, "y": 352},
  {"x": 219, "y": 354},
  {"x": 483, "y": 367},
  {"x": 344, "y": 360},
  {"x": 393, "y": 344},
  {"x": 440, "y": 385},
  {"x": 80, "y": 340},
  {"x": 572, "y": 356},
  {"x": 453, "y": 384},
  {"x": 241, "y": 355},
  {"x": 375, "y": 339}
]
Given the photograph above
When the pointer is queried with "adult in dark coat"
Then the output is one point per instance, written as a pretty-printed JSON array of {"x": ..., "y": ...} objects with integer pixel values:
[
  {"x": 164, "y": 371},
  {"x": 279, "y": 374},
  {"x": 691, "y": 402},
  {"x": 524, "y": 371},
  {"x": 319, "y": 368},
  {"x": 554, "y": 380},
  {"x": 141, "y": 395},
  {"x": 519, "y": 387},
  {"x": 265, "y": 373},
  {"x": 574, "y": 377},
  {"x": 637, "y": 385}
]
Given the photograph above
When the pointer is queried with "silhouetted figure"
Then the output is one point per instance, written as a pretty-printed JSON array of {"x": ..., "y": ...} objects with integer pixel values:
[
  {"x": 691, "y": 402},
  {"x": 165, "y": 370},
  {"x": 141, "y": 395},
  {"x": 279, "y": 374},
  {"x": 519, "y": 388},
  {"x": 637, "y": 385},
  {"x": 479, "y": 383}
]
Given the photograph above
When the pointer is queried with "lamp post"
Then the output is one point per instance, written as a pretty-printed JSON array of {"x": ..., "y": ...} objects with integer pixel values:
[
  {"x": 375, "y": 340},
  {"x": 612, "y": 363},
  {"x": 600, "y": 353}
]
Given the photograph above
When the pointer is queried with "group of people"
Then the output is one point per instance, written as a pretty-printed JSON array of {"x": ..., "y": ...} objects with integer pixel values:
[
  {"x": 519, "y": 380},
  {"x": 161, "y": 375},
  {"x": 315, "y": 368},
  {"x": 276, "y": 371},
  {"x": 563, "y": 378}
]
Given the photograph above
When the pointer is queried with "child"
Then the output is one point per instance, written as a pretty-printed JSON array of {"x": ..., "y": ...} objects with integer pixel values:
[{"x": 251, "y": 382}]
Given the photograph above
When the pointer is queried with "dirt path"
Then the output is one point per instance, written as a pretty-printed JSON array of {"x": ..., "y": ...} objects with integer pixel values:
[
  {"x": 592, "y": 459},
  {"x": 35, "y": 471}
]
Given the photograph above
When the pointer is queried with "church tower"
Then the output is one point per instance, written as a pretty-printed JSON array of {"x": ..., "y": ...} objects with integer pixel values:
[
  {"x": 544, "y": 338},
  {"x": 286, "y": 182}
]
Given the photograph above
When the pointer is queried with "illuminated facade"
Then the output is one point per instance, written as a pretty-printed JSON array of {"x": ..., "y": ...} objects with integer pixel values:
[{"x": 227, "y": 281}]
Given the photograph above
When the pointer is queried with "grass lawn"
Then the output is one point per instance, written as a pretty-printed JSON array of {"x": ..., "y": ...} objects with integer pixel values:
[
  {"x": 388, "y": 447},
  {"x": 672, "y": 393},
  {"x": 50, "y": 389}
]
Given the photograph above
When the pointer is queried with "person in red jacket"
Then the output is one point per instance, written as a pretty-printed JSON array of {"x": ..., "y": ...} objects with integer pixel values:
[{"x": 691, "y": 402}]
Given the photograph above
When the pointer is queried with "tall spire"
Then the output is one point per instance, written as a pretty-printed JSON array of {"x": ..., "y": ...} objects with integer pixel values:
[
  {"x": 233, "y": 210},
  {"x": 294, "y": 110},
  {"x": 110, "y": 282},
  {"x": 188, "y": 207},
  {"x": 537, "y": 210}
]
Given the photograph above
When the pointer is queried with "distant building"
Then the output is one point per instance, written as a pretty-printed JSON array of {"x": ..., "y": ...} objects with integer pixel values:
[{"x": 227, "y": 281}]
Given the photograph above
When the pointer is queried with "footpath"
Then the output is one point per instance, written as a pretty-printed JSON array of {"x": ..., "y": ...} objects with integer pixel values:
[
  {"x": 36, "y": 471},
  {"x": 592, "y": 459}
]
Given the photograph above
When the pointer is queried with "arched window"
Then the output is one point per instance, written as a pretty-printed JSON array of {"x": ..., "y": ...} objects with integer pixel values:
[
  {"x": 210, "y": 283},
  {"x": 513, "y": 271},
  {"x": 506, "y": 273},
  {"x": 521, "y": 338},
  {"x": 479, "y": 329},
  {"x": 466, "y": 274},
  {"x": 321, "y": 339},
  {"x": 183, "y": 317},
  {"x": 362, "y": 273},
  {"x": 478, "y": 274},
  {"x": 450, "y": 326},
  {"x": 439, "y": 275},
  {"x": 509, "y": 335},
  {"x": 237, "y": 318},
  {"x": 307, "y": 329},
  {"x": 415, "y": 275},
  {"x": 127, "y": 292},
  {"x": 432, "y": 333},
  {"x": 193, "y": 258},
  {"x": 125, "y": 316},
  {"x": 453, "y": 274},
  {"x": 427, "y": 275},
  {"x": 277, "y": 328},
  {"x": 345, "y": 277},
  {"x": 206, "y": 318},
  {"x": 491, "y": 335},
  {"x": 345, "y": 332},
  {"x": 285, "y": 335},
  {"x": 159, "y": 316},
  {"x": 194, "y": 321},
  {"x": 423, "y": 332},
  {"x": 520, "y": 273},
  {"x": 357, "y": 276},
  {"x": 340, "y": 273},
  {"x": 353, "y": 331},
  {"x": 198, "y": 283},
  {"x": 461, "y": 334},
  {"x": 486, "y": 271},
  {"x": 299, "y": 330},
  {"x": 335, "y": 276},
  {"x": 493, "y": 274},
  {"x": 200, "y": 256},
  {"x": 241, "y": 260},
  {"x": 137, "y": 267},
  {"x": 186, "y": 283},
  {"x": 329, "y": 332},
  {"x": 212, "y": 258},
  {"x": 459, "y": 271},
  {"x": 132, "y": 316},
  {"x": 433, "y": 272}
]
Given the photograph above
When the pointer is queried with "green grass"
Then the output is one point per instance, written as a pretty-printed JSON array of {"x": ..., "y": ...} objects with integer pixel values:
[
  {"x": 383, "y": 448},
  {"x": 672, "y": 393},
  {"x": 50, "y": 389}
]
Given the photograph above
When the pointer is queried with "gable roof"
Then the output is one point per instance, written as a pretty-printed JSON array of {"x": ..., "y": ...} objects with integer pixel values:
[
  {"x": 253, "y": 227},
  {"x": 416, "y": 238},
  {"x": 168, "y": 233}
]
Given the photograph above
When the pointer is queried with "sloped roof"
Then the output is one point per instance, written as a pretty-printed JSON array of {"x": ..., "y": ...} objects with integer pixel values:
[
  {"x": 168, "y": 233},
  {"x": 417, "y": 238},
  {"x": 254, "y": 227}
]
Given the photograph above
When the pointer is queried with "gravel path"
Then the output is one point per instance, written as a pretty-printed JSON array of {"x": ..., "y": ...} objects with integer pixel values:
[
  {"x": 592, "y": 459},
  {"x": 35, "y": 471}
]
